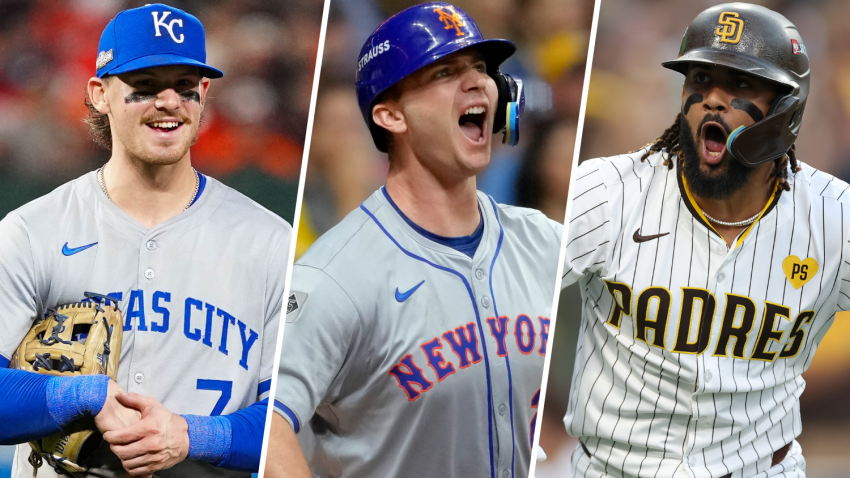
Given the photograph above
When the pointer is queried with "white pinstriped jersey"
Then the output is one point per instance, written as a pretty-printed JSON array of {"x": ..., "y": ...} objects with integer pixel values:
[{"x": 691, "y": 353}]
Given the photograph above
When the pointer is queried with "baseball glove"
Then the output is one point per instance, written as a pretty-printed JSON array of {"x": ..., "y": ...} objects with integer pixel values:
[{"x": 83, "y": 338}]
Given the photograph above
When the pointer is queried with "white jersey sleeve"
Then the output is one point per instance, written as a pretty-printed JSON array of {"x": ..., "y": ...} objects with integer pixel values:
[
  {"x": 590, "y": 236},
  {"x": 843, "y": 302}
]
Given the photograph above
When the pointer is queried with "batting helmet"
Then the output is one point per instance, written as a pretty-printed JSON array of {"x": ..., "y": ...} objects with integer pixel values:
[
  {"x": 762, "y": 43},
  {"x": 419, "y": 36}
]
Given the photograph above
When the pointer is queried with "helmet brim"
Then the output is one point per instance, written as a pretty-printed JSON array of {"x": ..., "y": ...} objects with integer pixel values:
[{"x": 736, "y": 61}]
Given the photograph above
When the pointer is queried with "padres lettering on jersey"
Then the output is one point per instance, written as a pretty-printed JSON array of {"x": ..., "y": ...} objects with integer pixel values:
[
  {"x": 201, "y": 314},
  {"x": 691, "y": 352},
  {"x": 406, "y": 349}
]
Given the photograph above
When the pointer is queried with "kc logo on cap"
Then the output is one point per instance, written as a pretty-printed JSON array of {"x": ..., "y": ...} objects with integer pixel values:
[
  {"x": 168, "y": 26},
  {"x": 151, "y": 36}
]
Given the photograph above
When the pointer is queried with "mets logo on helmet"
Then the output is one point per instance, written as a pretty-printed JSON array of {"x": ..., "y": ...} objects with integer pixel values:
[
  {"x": 452, "y": 20},
  {"x": 732, "y": 27}
]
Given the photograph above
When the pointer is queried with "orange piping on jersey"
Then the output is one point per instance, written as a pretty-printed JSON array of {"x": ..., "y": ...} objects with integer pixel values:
[{"x": 705, "y": 219}]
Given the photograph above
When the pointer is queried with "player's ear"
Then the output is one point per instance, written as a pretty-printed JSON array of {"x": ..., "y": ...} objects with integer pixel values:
[
  {"x": 387, "y": 115},
  {"x": 96, "y": 89},
  {"x": 204, "y": 86}
]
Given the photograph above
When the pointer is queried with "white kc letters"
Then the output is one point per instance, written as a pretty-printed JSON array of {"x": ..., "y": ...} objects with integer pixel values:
[{"x": 160, "y": 22}]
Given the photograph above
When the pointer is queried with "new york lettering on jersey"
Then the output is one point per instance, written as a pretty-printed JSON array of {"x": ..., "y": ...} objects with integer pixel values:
[
  {"x": 426, "y": 334},
  {"x": 702, "y": 345}
]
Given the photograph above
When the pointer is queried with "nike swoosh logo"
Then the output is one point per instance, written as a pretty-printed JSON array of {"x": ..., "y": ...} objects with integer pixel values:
[
  {"x": 638, "y": 238},
  {"x": 403, "y": 296},
  {"x": 70, "y": 251}
]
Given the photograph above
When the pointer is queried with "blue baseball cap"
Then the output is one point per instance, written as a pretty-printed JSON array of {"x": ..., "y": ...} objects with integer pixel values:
[{"x": 153, "y": 35}]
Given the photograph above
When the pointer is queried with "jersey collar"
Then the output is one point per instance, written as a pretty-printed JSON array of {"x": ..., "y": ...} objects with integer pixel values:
[
  {"x": 404, "y": 232},
  {"x": 210, "y": 194},
  {"x": 694, "y": 208}
]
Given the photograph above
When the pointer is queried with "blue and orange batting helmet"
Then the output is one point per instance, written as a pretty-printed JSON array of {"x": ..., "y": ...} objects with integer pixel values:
[{"x": 419, "y": 36}]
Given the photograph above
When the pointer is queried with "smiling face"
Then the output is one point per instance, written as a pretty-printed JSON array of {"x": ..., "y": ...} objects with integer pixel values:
[
  {"x": 154, "y": 113},
  {"x": 444, "y": 114},
  {"x": 715, "y": 101}
]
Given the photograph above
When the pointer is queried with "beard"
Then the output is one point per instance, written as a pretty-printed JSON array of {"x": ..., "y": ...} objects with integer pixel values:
[{"x": 723, "y": 179}]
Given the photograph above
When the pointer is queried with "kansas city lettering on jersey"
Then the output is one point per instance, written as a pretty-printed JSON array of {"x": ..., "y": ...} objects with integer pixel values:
[
  {"x": 463, "y": 342},
  {"x": 200, "y": 320},
  {"x": 738, "y": 322}
]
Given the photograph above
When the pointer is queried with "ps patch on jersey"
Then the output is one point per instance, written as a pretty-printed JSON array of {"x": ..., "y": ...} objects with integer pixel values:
[
  {"x": 294, "y": 304},
  {"x": 799, "y": 271}
]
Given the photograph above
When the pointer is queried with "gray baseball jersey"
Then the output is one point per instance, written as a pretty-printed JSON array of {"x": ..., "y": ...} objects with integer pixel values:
[
  {"x": 201, "y": 293},
  {"x": 691, "y": 352},
  {"x": 403, "y": 356}
]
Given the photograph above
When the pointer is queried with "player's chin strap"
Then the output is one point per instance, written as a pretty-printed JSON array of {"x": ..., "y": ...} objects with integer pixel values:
[
  {"x": 769, "y": 138},
  {"x": 510, "y": 107}
]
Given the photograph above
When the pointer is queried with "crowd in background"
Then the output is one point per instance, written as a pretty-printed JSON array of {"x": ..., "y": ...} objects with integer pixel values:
[
  {"x": 254, "y": 123},
  {"x": 632, "y": 99},
  {"x": 551, "y": 35}
]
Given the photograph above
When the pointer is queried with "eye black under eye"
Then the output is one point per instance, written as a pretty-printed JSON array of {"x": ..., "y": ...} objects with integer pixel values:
[{"x": 191, "y": 95}]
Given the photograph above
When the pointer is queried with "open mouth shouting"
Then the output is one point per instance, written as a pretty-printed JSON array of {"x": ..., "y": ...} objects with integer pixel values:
[
  {"x": 713, "y": 142},
  {"x": 164, "y": 126},
  {"x": 472, "y": 123}
]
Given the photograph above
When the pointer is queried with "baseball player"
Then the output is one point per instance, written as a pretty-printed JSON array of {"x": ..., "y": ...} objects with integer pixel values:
[
  {"x": 711, "y": 263},
  {"x": 416, "y": 329},
  {"x": 197, "y": 268}
]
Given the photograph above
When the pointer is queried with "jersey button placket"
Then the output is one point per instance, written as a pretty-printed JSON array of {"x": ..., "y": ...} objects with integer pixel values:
[{"x": 499, "y": 389}]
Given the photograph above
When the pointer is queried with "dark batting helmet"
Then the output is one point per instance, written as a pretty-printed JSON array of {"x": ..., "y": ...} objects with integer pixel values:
[
  {"x": 419, "y": 36},
  {"x": 762, "y": 43}
]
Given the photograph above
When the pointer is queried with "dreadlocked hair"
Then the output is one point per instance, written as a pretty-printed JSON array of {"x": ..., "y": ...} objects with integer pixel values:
[
  {"x": 781, "y": 170},
  {"x": 669, "y": 141}
]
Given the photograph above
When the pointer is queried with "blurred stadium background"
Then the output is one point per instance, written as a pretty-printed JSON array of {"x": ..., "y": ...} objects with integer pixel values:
[
  {"x": 255, "y": 119},
  {"x": 631, "y": 100},
  {"x": 344, "y": 166}
]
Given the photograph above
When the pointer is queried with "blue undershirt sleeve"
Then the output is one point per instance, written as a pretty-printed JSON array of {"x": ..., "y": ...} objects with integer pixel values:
[
  {"x": 34, "y": 406},
  {"x": 233, "y": 441}
]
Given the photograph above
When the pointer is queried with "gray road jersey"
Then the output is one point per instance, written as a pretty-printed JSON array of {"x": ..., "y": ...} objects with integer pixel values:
[
  {"x": 402, "y": 356},
  {"x": 201, "y": 293}
]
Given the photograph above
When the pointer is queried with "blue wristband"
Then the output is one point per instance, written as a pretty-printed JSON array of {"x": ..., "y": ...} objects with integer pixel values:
[
  {"x": 70, "y": 398},
  {"x": 210, "y": 438}
]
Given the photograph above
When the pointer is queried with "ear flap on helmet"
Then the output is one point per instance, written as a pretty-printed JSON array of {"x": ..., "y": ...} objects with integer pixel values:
[
  {"x": 509, "y": 107},
  {"x": 769, "y": 138}
]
